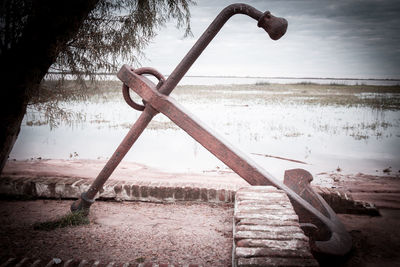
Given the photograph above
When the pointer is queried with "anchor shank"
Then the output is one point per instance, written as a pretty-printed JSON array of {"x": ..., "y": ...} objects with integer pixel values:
[{"x": 275, "y": 25}]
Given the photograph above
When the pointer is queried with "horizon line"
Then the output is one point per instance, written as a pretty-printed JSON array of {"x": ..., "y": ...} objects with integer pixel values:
[{"x": 245, "y": 77}]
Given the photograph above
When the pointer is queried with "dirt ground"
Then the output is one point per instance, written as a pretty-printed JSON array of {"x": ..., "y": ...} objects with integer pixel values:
[
  {"x": 121, "y": 232},
  {"x": 376, "y": 241},
  {"x": 183, "y": 232},
  {"x": 168, "y": 233}
]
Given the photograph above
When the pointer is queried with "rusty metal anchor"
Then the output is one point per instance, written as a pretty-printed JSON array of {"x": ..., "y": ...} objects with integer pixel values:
[{"x": 327, "y": 234}]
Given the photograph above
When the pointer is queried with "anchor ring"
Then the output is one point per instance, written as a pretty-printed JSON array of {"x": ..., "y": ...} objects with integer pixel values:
[{"x": 141, "y": 71}]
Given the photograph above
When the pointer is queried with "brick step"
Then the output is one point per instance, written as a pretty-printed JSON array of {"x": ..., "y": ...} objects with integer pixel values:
[{"x": 259, "y": 236}]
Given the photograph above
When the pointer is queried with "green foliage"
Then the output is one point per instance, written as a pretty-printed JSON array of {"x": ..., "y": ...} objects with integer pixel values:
[
  {"x": 114, "y": 32},
  {"x": 70, "y": 219},
  {"x": 118, "y": 30}
]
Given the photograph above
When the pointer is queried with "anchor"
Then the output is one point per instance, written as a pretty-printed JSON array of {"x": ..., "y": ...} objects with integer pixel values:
[{"x": 326, "y": 232}]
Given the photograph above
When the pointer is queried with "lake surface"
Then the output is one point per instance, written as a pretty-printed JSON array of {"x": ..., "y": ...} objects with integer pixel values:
[
  {"x": 329, "y": 128},
  {"x": 217, "y": 80}
]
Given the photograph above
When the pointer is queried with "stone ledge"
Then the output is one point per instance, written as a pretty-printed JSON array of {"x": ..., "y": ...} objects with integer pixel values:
[
  {"x": 71, "y": 188},
  {"x": 343, "y": 202},
  {"x": 268, "y": 236}
]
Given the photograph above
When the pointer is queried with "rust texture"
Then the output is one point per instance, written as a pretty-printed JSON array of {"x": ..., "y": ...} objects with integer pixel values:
[{"x": 322, "y": 224}]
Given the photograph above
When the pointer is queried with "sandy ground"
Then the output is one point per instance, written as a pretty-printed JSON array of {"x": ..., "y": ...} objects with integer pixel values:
[
  {"x": 191, "y": 233},
  {"x": 376, "y": 241},
  {"x": 121, "y": 232},
  {"x": 126, "y": 171},
  {"x": 174, "y": 233}
]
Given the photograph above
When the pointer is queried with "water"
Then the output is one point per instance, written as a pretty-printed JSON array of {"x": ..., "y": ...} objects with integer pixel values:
[
  {"x": 216, "y": 80},
  {"x": 204, "y": 80},
  {"x": 328, "y": 137}
]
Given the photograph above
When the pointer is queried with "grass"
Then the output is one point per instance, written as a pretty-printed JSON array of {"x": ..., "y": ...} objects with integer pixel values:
[
  {"x": 262, "y": 83},
  {"x": 140, "y": 259},
  {"x": 70, "y": 219},
  {"x": 382, "y": 97},
  {"x": 305, "y": 94}
]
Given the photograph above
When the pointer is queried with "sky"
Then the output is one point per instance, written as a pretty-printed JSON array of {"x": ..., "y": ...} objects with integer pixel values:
[{"x": 335, "y": 39}]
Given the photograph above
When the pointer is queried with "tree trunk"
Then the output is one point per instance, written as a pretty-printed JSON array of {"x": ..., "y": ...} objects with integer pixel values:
[
  {"x": 50, "y": 26},
  {"x": 12, "y": 110}
]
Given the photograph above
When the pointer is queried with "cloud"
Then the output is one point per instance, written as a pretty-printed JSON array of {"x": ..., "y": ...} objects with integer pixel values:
[{"x": 344, "y": 38}]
